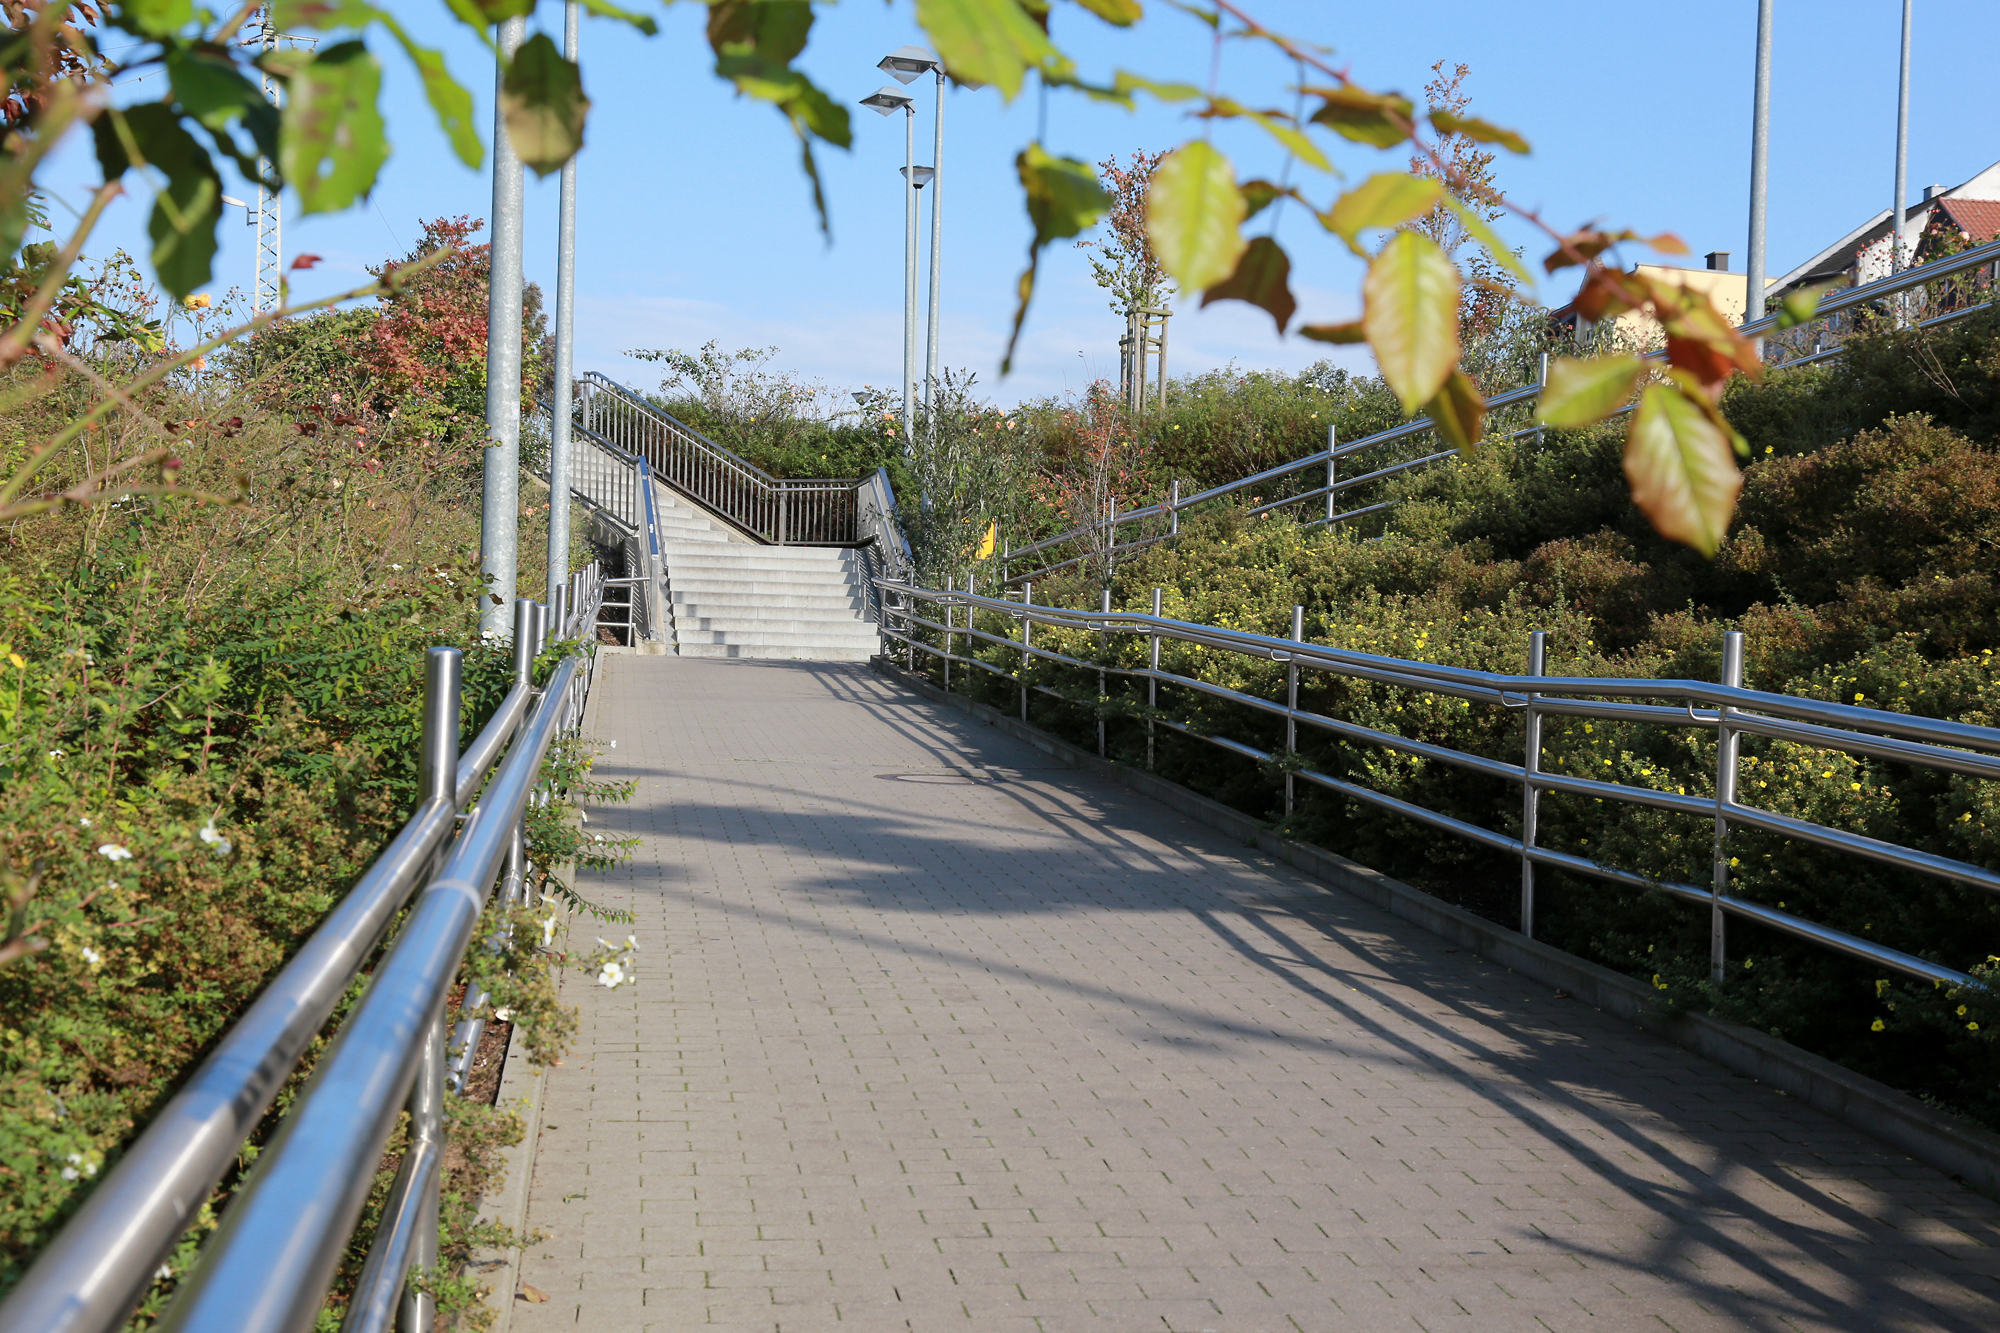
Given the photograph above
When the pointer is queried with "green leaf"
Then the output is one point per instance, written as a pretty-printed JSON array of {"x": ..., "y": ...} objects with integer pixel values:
[
  {"x": 1353, "y": 332},
  {"x": 186, "y": 213},
  {"x": 1580, "y": 392},
  {"x": 542, "y": 97},
  {"x": 322, "y": 15},
  {"x": 1263, "y": 278},
  {"x": 605, "y": 10},
  {"x": 1798, "y": 307},
  {"x": 810, "y": 111},
  {"x": 775, "y": 30},
  {"x": 1410, "y": 305},
  {"x": 1678, "y": 464},
  {"x": 1278, "y": 127},
  {"x": 1120, "y": 13},
  {"x": 1194, "y": 213},
  {"x": 1479, "y": 131},
  {"x": 1381, "y": 119},
  {"x": 450, "y": 102},
  {"x": 331, "y": 145},
  {"x": 1259, "y": 195},
  {"x": 208, "y": 89},
  {"x": 1386, "y": 200},
  {"x": 155, "y": 18},
  {"x": 1479, "y": 230},
  {"x": 986, "y": 41},
  {"x": 1063, "y": 199},
  {"x": 1127, "y": 82},
  {"x": 1458, "y": 411}
]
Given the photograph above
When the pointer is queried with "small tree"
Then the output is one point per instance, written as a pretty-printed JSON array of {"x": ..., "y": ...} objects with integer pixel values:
[
  {"x": 1468, "y": 178},
  {"x": 1124, "y": 264}
]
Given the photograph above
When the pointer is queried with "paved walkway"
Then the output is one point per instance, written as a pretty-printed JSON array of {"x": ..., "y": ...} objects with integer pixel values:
[{"x": 932, "y": 1034}]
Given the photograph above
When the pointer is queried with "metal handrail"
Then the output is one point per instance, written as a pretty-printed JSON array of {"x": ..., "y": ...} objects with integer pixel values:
[
  {"x": 94, "y": 1272},
  {"x": 1728, "y": 708},
  {"x": 1834, "y": 304},
  {"x": 779, "y": 510}
]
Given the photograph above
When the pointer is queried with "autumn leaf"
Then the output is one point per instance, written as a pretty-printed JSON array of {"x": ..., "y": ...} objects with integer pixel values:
[
  {"x": 1580, "y": 391},
  {"x": 1063, "y": 198},
  {"x": 1678, "y": 464},
  {"x": 1380, "y": 119},
  {"x": 1410, "y": 309},
  {"x": 1263, "y": 278},
  {"x": 542, "y": 96},
  {"x": 986, "y": 41},
  {"x": 1458, "y": 411},
  {"x": 1353, "y": 332},
  {"x": 1386, "y": 200},
  {"x": 1479, "y": 131},
  {"x": 1193, "y": 215}
]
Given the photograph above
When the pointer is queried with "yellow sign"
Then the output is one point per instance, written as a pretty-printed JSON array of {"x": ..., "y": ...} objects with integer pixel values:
[{"x": 989, "y": 542}]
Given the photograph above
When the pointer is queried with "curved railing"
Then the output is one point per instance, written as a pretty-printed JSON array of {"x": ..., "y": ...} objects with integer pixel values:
[
  {"x": 1935, "y": 293},
  {"x": 1725, "y": 708},
  {"x": 269, "y": 1266}
]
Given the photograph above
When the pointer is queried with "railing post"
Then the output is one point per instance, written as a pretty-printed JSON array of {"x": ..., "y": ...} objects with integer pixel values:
[
  {"x": 1531, "y": 795},
  {"x": 1332, "y": 470},
  {"x": 1725, "y": 795},
  {"x": 1542, "y": 385},
  {"x": 950, "y": 619},
  {"x": 524, "y": 644},
  {"x": 1103, "y": 648},
  {"x": 1292, "y": 699},
  {"x": 437, "y": 760},
  {"x": 1027, "y": 641},
  {"x": 1153, "y": 683},
  {"x": 784, "y": 513},
  {"x": 426, "y": 1131},
  {"x": 1174, "y": 510}
]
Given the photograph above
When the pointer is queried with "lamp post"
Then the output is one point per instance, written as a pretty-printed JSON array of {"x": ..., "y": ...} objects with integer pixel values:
[
  {"x": 559, "y": 401},
  {"x": 886, "y": 102},
  {"x": 1902, "y": 149},
  {"x": 1760, "y": 148},
  {"x": 500, "y": 491},
  {"x": 904, "y": 65}
]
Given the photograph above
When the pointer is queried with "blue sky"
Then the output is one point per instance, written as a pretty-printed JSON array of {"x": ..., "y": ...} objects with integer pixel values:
[{"x": 695, "y": 223}]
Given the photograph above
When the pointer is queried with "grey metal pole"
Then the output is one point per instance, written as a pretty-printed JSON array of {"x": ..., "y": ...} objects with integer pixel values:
[
  {"x": 909, "y": 278},
  {"x": 1103, "y": 647},
  {"x": 1292, "y": 698},
  {"x": 1332, "y": 469},
  {"x": 1174, "y": 511},
  {"x": 1531, "y": 795},
  {"x": 1725, "y": 794},
  {"x": 565, "y": 368},
  {"x": 937, "y": 239},
  {"x": 1760, "y": 150},
  {"x": 1902, "y": 149},
  {"x": 950, "y": 619},
  {"x": 1153, "y": 685},
  {"x": 500, "y": 500},
  {"x": 426, "y": 1134},
  {"x": 1027, "y": 642}
]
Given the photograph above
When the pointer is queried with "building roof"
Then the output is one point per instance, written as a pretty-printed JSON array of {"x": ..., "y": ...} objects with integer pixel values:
[{"x": 1979, "y": 219}]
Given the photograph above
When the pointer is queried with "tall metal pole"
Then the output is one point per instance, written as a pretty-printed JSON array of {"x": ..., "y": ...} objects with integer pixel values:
[
  {"x": 268, "y": 292},
  {"x": 937, "y": 238},
  {"x": 1760, "y": 150},
  {"x": 909, "y": 277},
  {"x": 565, "y": 369},
  {"x": 1902, "y": 149},
  {"x": 500, "y": 501}
]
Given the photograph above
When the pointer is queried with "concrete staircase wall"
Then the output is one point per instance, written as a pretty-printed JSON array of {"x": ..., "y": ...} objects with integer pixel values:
[{"x": 732, "y": 597}]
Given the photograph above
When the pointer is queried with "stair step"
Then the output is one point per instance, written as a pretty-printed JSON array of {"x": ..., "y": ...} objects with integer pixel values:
[
  {"x": 722, "y": 604},
  {"x": 772, "y": 638},
  {"x": 778, "y": 653}
]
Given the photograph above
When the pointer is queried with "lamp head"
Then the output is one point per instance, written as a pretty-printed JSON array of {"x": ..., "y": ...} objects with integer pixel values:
[
  {"x": 905, "y": 63},
  {"x": 889, "y": 100}
]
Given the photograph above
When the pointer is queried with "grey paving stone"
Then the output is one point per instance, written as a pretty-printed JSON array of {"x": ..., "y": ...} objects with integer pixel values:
[{"x": 932, "y": 1034}]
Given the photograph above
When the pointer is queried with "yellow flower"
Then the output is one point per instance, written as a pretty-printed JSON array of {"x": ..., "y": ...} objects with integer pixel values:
[
  {"x": 1855, "y": 785},
  {"x": 198, "y": 302},
  {"x": 1877, "y": 1025},
  {"x": 1972, "y": 1027},
  {"x": 1961, "y": 1011}
]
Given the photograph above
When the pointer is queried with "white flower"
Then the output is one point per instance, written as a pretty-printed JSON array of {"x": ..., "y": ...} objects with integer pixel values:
[
  {"x": 631, "y": 941},
  {"x": 91, "y": 956},
  {"x": 611, "y": 977},
  {"x": 84, "y": 822},
  {"x": 214, "y": 839},
  {"x": 398, "y": 568},
  {"x": 614, "y": 745},
  {"x": 503, "y": 1015},
  {"x": 111, "y": 851},
  {"x": 55, "y": 754},
  {"x": 77, "y": 1168},
  {"x": 166, "y": 1271},
  {"x": 549, "y": 930},
  {"x": 584, "y": 815}
]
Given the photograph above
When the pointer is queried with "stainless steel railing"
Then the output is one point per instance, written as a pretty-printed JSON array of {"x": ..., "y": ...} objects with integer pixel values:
[
  {"x": 1933, "y": 294},
  {"x": 282, "y": 1235},
  {"x": 1724, "y": 707},
  {"x": 783, "y": 511},
  {"x": 619, "y": 485}
]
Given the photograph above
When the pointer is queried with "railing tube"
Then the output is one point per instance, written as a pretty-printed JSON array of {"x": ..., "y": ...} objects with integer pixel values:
[
  {"x": 1153, "y": 682},
  {"x": 1531, "y": 795},
  {"x": 426, "y": 1136},
  {"x": 1174, "y": 510},
  {"x": 1725, "y": 796},
  {"x": 1332, "y": 468},
  {"x": 1103, "y": 651},
  {"x": 1027, "y": 642}
]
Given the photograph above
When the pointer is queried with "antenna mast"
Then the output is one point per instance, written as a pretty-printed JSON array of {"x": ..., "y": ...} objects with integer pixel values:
[{"x": 268, "y": 218}]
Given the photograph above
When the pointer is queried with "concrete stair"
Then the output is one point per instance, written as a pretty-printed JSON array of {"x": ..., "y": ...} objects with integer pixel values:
[{"x": 731, "y": 597}]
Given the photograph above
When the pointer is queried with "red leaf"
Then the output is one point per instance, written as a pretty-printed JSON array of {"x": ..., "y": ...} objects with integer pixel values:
[
  {"x": 304, "y": 261},
  {"x": 1706, "y": 362},
  {"x": 1262, "y": 278}
]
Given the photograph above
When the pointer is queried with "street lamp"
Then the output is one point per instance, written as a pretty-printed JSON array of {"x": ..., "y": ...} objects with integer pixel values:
[
  {"x": 887, "y": 102},
  {"x": 906, "y": 64}
]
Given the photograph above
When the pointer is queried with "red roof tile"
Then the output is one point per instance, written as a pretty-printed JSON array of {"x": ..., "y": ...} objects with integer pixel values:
[{"x": 1977, "y": 218}]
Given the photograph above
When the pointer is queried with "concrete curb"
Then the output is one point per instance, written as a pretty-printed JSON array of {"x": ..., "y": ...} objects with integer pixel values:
[
  {"x": 1963, "y": 1151},
  {"x": 523, "y": 1083}
]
